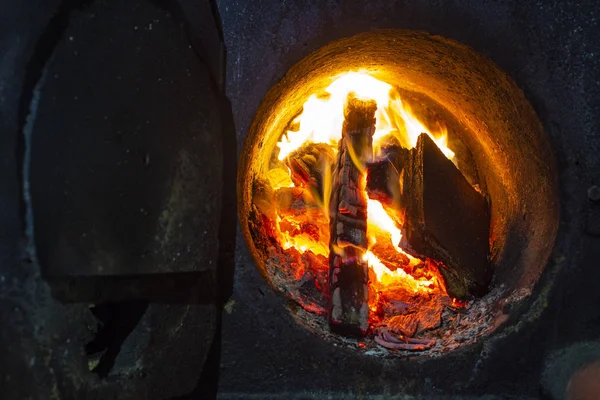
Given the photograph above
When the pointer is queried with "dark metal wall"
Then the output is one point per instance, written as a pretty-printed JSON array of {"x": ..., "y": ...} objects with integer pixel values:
[
  {"x": 550, "y": 49},
  {"x": 116, "y": 209}
]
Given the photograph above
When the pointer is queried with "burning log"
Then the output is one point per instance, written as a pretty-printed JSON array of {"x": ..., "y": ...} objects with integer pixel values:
[
  {"x": 446, "y": 220},
  {"x": 383, "y": 175},
  {"x": 348, "y": 269},
  {"x": 393, "y": 259}
]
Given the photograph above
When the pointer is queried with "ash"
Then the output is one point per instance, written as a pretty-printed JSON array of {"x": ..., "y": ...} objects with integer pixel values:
[{"x": 457, "y": 326}]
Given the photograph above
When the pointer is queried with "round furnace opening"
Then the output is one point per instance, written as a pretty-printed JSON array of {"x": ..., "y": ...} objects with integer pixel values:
[{"x": 459, "y": 138}]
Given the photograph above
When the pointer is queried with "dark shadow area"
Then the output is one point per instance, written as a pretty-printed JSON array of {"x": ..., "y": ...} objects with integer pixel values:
[
  {"x": 34, "y": 71},
  {"x": 116, "y": 321},
  {"x": 121, "y": 297},
  {"x": 228, "y": 222},
  {"x": 165, "y": 288},
  {"x": 208, "y": 381}
]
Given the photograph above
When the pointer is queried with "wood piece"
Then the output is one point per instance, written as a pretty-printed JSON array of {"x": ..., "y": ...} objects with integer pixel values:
[
  {"x": 383, "y": 175},
  {"x": 348, "y": 270},
  {"x": 446, "y": 220},
  {"x": 393, "y": 259}
]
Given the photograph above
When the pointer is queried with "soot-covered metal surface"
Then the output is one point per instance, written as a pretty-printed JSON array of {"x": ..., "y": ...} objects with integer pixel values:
[
  {"x": 113, "y": 126},
  {"x": 548, "y": 49}
]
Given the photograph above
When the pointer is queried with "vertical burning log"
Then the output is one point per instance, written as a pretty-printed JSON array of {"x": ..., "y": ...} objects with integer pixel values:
[{"x": 348, "y": 269}]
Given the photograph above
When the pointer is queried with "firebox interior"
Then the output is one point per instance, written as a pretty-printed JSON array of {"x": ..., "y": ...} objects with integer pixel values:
[{"x": 494, "y": 126}]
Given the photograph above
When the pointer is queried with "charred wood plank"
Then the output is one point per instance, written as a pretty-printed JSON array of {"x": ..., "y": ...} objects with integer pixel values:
[
  {"x": 446, "y": 220},
  {"x": 383, "y": 175},
  {"x": 348, "y": 270}
]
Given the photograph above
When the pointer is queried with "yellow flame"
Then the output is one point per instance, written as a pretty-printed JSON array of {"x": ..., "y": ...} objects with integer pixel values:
[
  {"x": 322, "y": 117},
  {"x": 377, "y": 216},
  {"x": 380, "y": 221},
  {"x": 302, "y": 241},
  {"x": 386, "y": 276},
  {"x": 398, "y": 113}
]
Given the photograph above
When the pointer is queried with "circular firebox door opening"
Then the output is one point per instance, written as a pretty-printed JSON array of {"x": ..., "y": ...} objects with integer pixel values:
[{"x": 399, "y": 188}]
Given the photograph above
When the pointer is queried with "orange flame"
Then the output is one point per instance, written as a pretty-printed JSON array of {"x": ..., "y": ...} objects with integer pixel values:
[
  {"x": 387, "y": 277},
  {"x": 379, "y": 218},
  {"x": 383, "y": 228}
]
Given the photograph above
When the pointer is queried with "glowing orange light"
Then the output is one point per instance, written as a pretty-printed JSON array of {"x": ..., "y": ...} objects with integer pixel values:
[
  {"x": 322, "y": 117},
  {"x": 321, "y": 121},
  {"x": 378, "y": 217}
]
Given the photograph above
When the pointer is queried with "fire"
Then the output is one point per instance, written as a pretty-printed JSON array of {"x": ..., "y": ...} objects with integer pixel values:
[
  {"x": 387, "y": 277},
  {"x": 321, "y": 122},
  {"x": 304, "y": 242},
  {"x": 382, "y": 228},
  {"x": 392, "y": 270},
  {"x": 322, "y": 116},
  {"x": 378, "y": 218}
]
